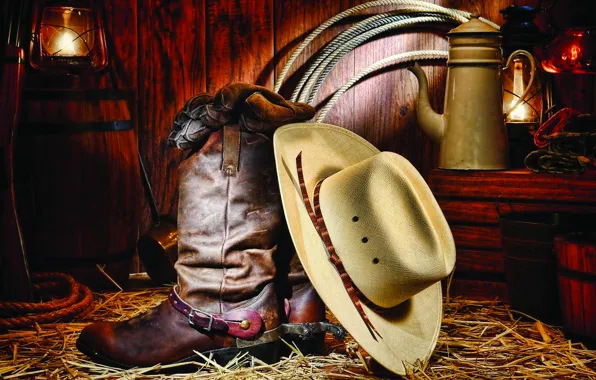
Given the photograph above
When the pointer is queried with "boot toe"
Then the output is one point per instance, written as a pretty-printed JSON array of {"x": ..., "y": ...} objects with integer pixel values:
[{"x": 97, "y": 341}]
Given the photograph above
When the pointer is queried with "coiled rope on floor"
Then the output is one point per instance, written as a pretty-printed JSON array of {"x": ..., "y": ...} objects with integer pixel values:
[{"x": 69, "y": 299}]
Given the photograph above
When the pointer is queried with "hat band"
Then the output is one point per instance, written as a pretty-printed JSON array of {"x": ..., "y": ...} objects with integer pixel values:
[{"x": 317, "y": 220}]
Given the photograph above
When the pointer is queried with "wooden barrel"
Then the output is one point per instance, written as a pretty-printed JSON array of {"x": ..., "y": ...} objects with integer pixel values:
[
  {"x": 530, "y": 263},
  {"x": 576, "y": 255},
  {"x": 82, "y": 201}
]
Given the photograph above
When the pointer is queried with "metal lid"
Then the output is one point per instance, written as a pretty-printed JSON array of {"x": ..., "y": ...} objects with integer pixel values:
[
  {"x": 474, "y": 26},
  {"x": 522, "y": 12},
  {"x": 519, "y": 30}
]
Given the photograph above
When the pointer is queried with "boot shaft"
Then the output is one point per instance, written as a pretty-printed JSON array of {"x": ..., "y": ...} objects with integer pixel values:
[{"x": 228, "y": 225}]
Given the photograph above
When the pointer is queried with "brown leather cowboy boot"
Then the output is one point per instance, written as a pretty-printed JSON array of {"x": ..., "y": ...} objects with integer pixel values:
[
  {"x": 228, "y": 224},
  {"x": 303, "y": 305},
  {"x": 261, "y": 111}
]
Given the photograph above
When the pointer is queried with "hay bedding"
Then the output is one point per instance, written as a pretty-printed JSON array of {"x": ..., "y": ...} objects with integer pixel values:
[{"x": 479, "y": 340}]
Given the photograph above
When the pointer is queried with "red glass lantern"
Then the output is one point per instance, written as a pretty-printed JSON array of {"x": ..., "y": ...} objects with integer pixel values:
[
  {"x": 572, "y": 51},
  {"x": 68, "y": 35}
]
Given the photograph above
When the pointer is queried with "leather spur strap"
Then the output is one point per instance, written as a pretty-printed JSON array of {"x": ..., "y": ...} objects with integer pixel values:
[
  {"x": 243, "y": 324},
  {"x": 231, "y": 149},
  {"x": 319, "y": 223}
]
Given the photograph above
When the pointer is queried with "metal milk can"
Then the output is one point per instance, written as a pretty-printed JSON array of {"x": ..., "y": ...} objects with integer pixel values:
[{"x": 471, "y": 130}]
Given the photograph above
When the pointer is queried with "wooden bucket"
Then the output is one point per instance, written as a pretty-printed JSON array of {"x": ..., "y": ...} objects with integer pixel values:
[
  {"x": 530, "y": 264},
  {"x": 576, "y": 255},
  {"x": 80, "y": 163}
]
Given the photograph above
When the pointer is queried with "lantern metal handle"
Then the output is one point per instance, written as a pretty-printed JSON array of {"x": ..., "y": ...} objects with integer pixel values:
[{"x": 532, "y": 75}]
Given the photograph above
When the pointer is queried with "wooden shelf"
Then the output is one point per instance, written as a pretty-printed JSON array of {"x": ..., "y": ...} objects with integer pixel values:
[
  {"x": 472, "y": 202},
  {"x": 518, "y": 184}
]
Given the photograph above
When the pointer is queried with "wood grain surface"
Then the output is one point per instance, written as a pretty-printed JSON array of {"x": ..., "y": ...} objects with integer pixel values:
[
  {"x": 484, "y": 212},
  {"x": 514, "y": 184},
  {"x": 577, "y": 282},
  {"x": 171, "y": 70},
  {"x": 294, "y": 20},
  {"x": 479, "y": 290},
  {"x": 15, "y": 280},
  {"x": 189, "y": 46},
  {"x": 239, "y": 42},
  {"x": 84, "y": 184},
  {"x": 469, "y": 260},
  {"x": 168, "y": 51},
  {"x": 121, "y": 25},
  {"x": 476, "y": 237}
]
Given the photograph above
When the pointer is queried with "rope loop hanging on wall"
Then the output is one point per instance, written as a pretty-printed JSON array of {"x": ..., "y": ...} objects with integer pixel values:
[
  {"x": 410, "y": 13},
  {"x": 419, "y": 55}
]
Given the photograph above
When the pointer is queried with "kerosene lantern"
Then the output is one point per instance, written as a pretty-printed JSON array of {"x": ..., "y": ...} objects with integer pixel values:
[
  {"x": 572, "y": 51},
  {"x": 520, "y": 32},
  {"x": 68, "y": 36}
]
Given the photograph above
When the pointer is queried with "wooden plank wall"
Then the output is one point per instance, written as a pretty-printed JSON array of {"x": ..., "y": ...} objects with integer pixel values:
[
  {"x": 171, "y": 70},
  {"x": 189, "y": 46}
]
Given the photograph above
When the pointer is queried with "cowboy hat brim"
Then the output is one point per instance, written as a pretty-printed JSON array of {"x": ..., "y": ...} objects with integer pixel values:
[{"x": 409, "y": 332}]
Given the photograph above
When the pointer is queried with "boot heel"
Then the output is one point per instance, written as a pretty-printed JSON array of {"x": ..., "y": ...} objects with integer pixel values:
[
  {"x": 266, "y": 352},
  {"x": 313, "y": 346}
]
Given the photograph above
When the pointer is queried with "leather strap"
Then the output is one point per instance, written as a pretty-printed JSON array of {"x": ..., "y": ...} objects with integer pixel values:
[
  {"x": 319, "y": 223},
  {"x": 243, "y": 324},
  {"x": 231, "y": 149}
]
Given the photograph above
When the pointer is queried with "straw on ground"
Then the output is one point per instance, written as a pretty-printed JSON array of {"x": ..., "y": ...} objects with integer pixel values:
[{"x": 478, "y": 340}]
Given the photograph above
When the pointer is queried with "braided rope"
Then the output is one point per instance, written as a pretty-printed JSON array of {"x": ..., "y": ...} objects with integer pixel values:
[
  {"x": 394, "y": 59},
  {"x": 79, "y": 300},
  {"x": 314, "y": 84},
  {"x": 462, "y": 16},
  {"x": 354, "y": 31}
]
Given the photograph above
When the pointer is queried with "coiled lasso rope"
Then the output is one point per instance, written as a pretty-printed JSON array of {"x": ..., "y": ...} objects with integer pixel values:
[
  {"x": 394, "y": 59},
  {"x": 461, "y": 16},
  {"x": 368, "y": 24},
  {"x": 76, "y": 300},
  {"x": 413, "y": 12},
  {"x": 316, "y": 80}
]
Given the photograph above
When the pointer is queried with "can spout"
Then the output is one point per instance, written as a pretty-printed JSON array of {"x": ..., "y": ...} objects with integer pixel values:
[{"x": 431, "y": 122}]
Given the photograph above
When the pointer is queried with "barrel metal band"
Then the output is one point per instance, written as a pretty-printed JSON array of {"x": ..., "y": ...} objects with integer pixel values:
[
  {"x": 93, "y": 126},
  {"x": 78, "y": 95},
  {"x": 576, "y": 274}
]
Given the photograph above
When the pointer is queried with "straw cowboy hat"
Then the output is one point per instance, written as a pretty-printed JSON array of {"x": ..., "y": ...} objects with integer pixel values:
[{"x": 370, "y": 236}]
